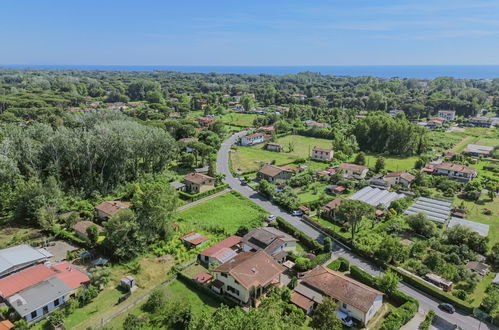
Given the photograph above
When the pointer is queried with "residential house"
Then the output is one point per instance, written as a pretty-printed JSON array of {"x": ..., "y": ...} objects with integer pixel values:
[
  {"x": 447, "y": 114},
  {"x": 273, "y": 173},
  {"x": 454, "y": 171},
  {"x": 271, "y": 240},
  {"x": 37, "y": 290},
  {"x": 435, "y": 123},
  {"x": 322, "y": 153},
  {"x": 266, "y": 129},
  {"x": 356, "y": 299},
  {"x": 353, "y": 170},
  {"x": 478, "y": 150},
  {"x": 186, "y": 142},
  {"x": 299, "y": 96},
  {"x": 81, "y": 227},
  {"x": 379, "y": 182},
  {"x": 329, "y": 209},
  {"x": 107, "y": 209},
  {"x": 247, "y": 276},
  {"x": 19, "y": 257},
  {"x": 313, "y": 123},
  {"x": 272, "y": 146},
  {"x": 335, "y": 189},
  {"x": 252, "y": 139},
  {"x": 478, "y": 267},
  {"x": 399, "y": 178},
  {"x": 193, "y": 239},
  {"x": 198, "y": 182},
  {"x": 480, "y": 122},
  {"x": 205, "y": 121},
  {"x": 221, "y": 252},
  {"x": 178, "y": 186}
]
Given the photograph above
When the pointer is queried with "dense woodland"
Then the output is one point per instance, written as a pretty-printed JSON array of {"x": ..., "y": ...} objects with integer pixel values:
[{"x": 62, "y": 149}]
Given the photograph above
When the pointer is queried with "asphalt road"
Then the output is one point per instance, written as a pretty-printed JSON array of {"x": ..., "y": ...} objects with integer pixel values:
[{"x": 443, "y": 320}]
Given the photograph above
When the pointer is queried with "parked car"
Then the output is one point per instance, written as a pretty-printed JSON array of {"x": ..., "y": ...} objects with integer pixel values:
[
  {"x": 447, "y": 308},
  {"x": 297, "y": 212},
  {"x": 271, "y": 218},
  {"x": 344, "y": 318}
]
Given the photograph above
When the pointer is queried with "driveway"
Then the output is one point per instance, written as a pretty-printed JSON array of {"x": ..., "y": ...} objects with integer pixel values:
[{"x": 426, "y": 302}]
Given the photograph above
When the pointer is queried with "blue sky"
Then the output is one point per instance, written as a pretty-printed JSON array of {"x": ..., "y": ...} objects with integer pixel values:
[{"x": 271, "y": 32}]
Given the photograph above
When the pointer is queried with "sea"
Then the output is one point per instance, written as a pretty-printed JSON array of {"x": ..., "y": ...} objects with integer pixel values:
[{"x": 382, "y": 71}]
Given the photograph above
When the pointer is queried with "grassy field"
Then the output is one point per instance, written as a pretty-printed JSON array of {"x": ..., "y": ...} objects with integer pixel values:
[
  {"x": 239, "y": 119},
  {"x": 479, "y": 292},
  {"x": 176, "y": 291},
  {"x": 475, "y": 213},
  {"x": 392, "y": 164},
  {"x": 152, "y": 273},
  {"x": 227, "y": 211},
  {"x": 247, "y": 159}
]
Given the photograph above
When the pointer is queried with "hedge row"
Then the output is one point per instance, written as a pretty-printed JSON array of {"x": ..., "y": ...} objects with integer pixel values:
[
  {"x": 70, "y": 237},
  {"x": 431, "y": 290},
  {"x": 341, "y": 264},
  {"x": 428, "y": 320},
  {"x": 194, "y": 197},
  {"x": 398, "y": 316},
  {"x": 310, "y": 243}
]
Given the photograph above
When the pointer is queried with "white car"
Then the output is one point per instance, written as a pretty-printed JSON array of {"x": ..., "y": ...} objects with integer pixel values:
[
  {"x": 344, "y": 318},
  {"x": 271, "y": 218},
  {"x": 297, "y": 212}
]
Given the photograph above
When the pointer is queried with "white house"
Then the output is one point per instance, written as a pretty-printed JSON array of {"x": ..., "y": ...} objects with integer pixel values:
[
  {"x": 358, "y": 300},
  {"x": 221, "y": 252},
  {"x": 247, "y": 276},
  {"x": 447, "y": 114},
  {"x": 455, "y": 171},
  {"x": 353, "y": 170},
  {"x": 401, "y": 178},
  {"x": 322, "y": 154},
  {"x": 252, "y": 139}
]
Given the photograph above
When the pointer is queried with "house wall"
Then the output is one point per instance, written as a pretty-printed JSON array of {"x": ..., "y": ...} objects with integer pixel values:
[
  {"x": 273, "y": 148},
  {"x": 243, "y": 295},
  {"x": 102, "y": 215},
  {"x": 51, "y": 307},
  {"x": 360, "y": 315},
  {"x": 195, "y": 188},
  {"x": 245, "y": 141},
  {"x": 322, "y": 155},
  {"x": 378, "y": 302}
]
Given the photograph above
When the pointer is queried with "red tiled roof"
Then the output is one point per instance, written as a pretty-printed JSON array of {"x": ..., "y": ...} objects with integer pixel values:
[
  {"x": 24, "y": 279},
  {"x": 111, "y": 207},
  {"x": 203, "y": 277},
  {"x": 70, "y": 274},
  {"x": 6, "y": 325},
  {"x": 226, "y": 243},
  {"x": 301, "y": 301}
]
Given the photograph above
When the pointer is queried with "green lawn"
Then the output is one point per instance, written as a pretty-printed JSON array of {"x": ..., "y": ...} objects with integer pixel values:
[
  {"x": 239, "y": 119},
  {"x": 475, "y": 213},
  {"x": 392, "y": 164},
  {"x": 312, "y": 192},
  {"x": 228, "y": 211},
  {"x": 247, "y": 159},
  {"x": 479, "y": 293}
]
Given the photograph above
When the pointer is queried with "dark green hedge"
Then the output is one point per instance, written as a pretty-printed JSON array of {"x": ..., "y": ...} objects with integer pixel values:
[
  {"x": 194, "y": 197},
  {"x": 301, "y": 236},
  {"x": 431, "y": 290},
  {"x": 341, "y": 264}
]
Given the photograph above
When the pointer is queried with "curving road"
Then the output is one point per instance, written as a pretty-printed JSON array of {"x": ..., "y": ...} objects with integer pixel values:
[{"x": 426, "y": 302}]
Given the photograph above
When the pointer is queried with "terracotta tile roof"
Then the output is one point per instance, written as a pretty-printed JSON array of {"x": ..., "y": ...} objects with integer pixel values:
[
  {"x": 352, "y": 167},
  {"x": 404, "y": 175},
  {"x": 70, "y": 275},
  {"x": 187, "y": 140},
  {"x": 197, "y": 178},
  {"x": 341, "y": 288},
  {"x": 6, "y": 325},
  {"x": 252, "y": 269},
  {"x": 203, "y": 277},
  {"x": 455, "y": 168},
  {"x": 226, "y": 243},
  {"x": 111, "y": 207},
  {"x": 24, "y": 279},
  {"x": 194, "y": 238},
  {"x": 301, "y": 301},
  {"x": 334, "y": 204},
  {"x": 272, "y": 170},
  {"x": 321, "y": 149},
  {"x": 82, "y": 226}
]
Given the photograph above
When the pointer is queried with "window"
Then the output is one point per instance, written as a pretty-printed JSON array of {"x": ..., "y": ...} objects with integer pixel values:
[
  {"x": 344, "y": 305},
  {"x": 233, "y": 290},
  {"x": 56, "y": 302},
  {"x": 34, "y": 314},
  {"x": 45, "y": 309},
  {"x": 223, "y": 275}
]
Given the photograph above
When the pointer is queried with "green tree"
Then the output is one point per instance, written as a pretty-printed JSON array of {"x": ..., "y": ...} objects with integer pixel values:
[
  {"x": 325, "y": 317},
  {"x": 380, "y": 164},
  {"x": 247, "y": 102},
  {"x": 93, "y": 234},
  {"x": 360, "y": 159},
  {"x": 352, "y": 211},
  {"x": 133, "y": 322},
  {"x": 123, "y": 238},
  {"x": 388, "y": 282}
]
